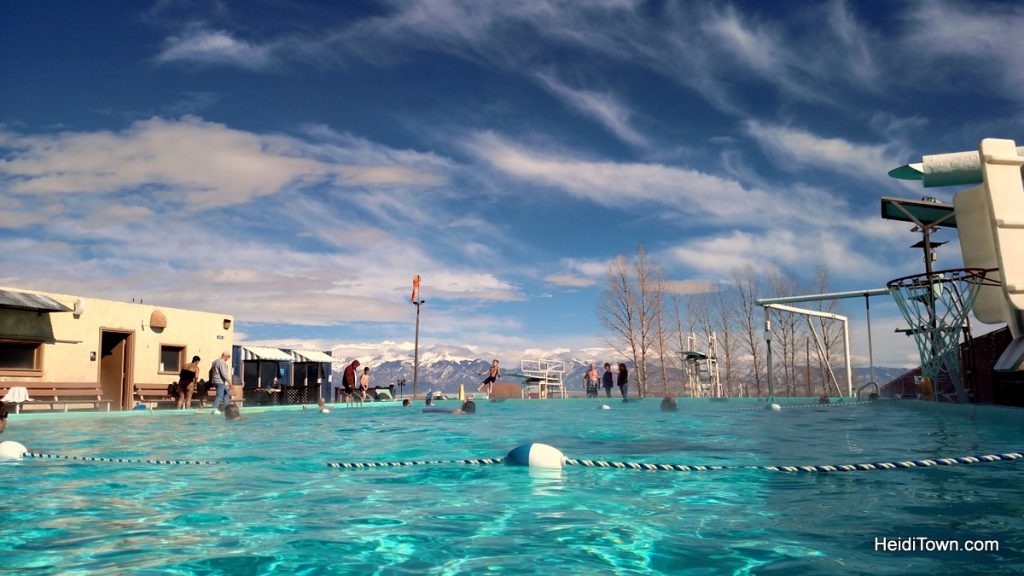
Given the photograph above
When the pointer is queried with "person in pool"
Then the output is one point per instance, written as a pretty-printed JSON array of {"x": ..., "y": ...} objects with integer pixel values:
[
  {"x": 232, "y": 412},
  {"x": 468, "y": 407},
  {"x": 3, "y": 416}
]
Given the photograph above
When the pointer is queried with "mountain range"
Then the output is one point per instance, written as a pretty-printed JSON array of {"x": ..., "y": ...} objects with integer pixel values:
[{"x": 447, "y": 368}]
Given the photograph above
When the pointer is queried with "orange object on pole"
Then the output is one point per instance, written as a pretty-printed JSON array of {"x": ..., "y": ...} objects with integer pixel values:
[{"x": 415, "y": 288}]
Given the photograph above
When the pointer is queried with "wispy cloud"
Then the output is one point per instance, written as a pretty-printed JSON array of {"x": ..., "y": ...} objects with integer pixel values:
[
  {"x": 200, "y": 44},
  {"x": 716, "y": 256},
  {"x": 986, "y": 44},
  {"x": 604, "y": 108},
  {"x": 205, "y": 165},
  {"x": 641, "y": 186},
  {"x": 799, "y": 149}
]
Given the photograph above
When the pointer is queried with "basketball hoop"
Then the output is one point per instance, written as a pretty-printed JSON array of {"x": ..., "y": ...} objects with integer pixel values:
[{"x": 935, "y": 306}]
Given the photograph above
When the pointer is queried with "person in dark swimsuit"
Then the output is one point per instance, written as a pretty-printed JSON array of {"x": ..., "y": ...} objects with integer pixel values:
[
  {"x": 608, "y": 380},
  {"x": 187, "y": 383},
  {"x": 623, "y": 380},
  {"x": 493, "y": 373}
]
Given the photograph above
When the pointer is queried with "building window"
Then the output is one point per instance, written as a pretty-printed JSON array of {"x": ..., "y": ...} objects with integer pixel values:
[
  {"x": 21, "y": 358},
  {"x": 172, "y": 358}
]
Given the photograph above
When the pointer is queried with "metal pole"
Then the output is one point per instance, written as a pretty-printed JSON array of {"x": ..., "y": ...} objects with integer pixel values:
[
  {"x": 871, "y": 353},
  {"x": 768, "y": 339},
  {"x": 416, "y": 350},
  {"x": 846, "y": 353}
]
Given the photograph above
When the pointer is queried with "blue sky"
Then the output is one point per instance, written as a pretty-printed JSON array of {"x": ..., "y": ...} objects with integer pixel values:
[{"x": 296, "y": 163}]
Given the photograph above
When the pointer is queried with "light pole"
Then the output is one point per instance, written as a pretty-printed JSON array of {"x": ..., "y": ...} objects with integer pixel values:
[
  {"x": 416, "y": 348},
  {"x": 768, "y": 342}
]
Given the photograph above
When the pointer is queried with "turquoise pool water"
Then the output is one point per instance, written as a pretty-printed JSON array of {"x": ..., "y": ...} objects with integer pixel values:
[{"x": 274, "y": 507}]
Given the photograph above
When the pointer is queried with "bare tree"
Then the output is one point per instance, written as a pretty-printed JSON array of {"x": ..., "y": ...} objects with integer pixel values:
[
  {"x": 664, "y": 355},
  {"x": 629, "y": 308},
  {"x": 748, "y": 288},
  {"x": 649, "y": 297},
  {"x": 831, "y": 332},
  {"x": 724, "y": 305},
  {"x": 617, "y": 309},
  {"x": 680, "y": 333},
  {"x": 787, "y": 324}
]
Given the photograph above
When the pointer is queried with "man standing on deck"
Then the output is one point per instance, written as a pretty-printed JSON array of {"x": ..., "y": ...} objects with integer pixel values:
[
  {"x": 348, "y": 381},
  {"x": 220, "y": 376}
]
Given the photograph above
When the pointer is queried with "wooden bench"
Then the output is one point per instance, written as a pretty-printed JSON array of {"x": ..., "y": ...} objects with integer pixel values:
[
  {"x": 58, "y": 395},
  {"x": 148, "y": 393},
  {"x": 151, "y": 393}
]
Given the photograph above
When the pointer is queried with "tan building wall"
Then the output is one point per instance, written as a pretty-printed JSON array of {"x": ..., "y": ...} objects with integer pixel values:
[{"x": 113, "y": 345}]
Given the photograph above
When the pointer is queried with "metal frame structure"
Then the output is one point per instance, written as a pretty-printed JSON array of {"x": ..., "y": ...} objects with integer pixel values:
[{"x": 780, "y": 304}]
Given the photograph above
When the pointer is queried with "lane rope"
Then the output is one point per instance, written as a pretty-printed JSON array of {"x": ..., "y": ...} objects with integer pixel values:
[
  {"x": 469, "y": 461},
  {"x": 925, "y": 463},
  {"x": 120, "y": 460},
  {"x": 824, "y": 468}
]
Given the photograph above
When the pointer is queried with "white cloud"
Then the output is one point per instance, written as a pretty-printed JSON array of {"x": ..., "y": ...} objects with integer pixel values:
[
  {"x": 202, "y": 164},
  {"x": 569, "y": 280},
  {"x": 957, "y": 44},
  {"x": 625, "y": 185},
  {"x": 604, "y": 108},
  {"x": 800, "y": 250},
  {"x": 799, "y": 148},
  {"x": 199, "y": 44}
]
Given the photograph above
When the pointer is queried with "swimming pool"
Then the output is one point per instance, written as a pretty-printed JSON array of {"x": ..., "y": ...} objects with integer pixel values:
[{"x": 274, "y": 507}]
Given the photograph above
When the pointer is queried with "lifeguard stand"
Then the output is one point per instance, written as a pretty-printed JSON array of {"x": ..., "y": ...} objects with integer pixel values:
[
  {"x": 543, "y": 378},
  {"x": 702, "y": 380}
]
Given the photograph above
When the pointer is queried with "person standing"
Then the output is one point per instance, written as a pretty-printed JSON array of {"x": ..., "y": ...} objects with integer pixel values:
[
  {"x": 364, "y": 384},
  {"x": 493, "y": 373},
  {"x": 220, "y": 376},
  {"x": 623, "y": 380},
  {"x": 591, "y": 381},
  {"x": 348, "y": 380},
  {"x": 609, "y": 379},
  {"x": 187, "y": 383}
]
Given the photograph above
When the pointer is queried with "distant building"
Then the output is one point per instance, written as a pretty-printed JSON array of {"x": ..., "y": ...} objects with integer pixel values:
[
  {"x": 76, "y": 341},
  {"x": 283, "y": 376}
]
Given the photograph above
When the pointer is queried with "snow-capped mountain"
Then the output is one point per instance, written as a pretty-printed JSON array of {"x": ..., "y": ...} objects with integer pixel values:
[
  {"x": 443, "y": 367},
  {"x": 447, "y": 367}
]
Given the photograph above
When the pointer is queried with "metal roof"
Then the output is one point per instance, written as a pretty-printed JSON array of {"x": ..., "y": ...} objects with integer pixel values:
[
  {"x": 28, "y": 301},
  {"x": 265, "y": 353},
  {"x": 312, "y": 356}
]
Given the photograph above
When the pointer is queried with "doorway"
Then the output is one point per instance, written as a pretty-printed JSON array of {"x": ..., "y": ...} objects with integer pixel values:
[{"x": 116, "y": 367}]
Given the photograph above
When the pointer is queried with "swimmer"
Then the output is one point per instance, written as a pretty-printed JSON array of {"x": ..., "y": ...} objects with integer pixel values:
[
  {"x": 668, "y": 404},
  {"x": 468, "y": 407},
  {"x": 322, "y": 407},
  {"x": 406, "y": 403},
  {"x": 231, "y": 412},
  {"x": 3, "y": 417}
]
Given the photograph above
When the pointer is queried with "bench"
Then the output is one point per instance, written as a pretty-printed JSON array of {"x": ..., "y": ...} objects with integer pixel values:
[
  {"x": 58, "y": 395},
  {"x": 156, "y": 394}
]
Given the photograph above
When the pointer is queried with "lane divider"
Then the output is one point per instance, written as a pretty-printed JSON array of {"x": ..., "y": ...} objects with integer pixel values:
[
  {"x": 826, "y": 468},
  {"x": 469, "y": 461},
  {"x": 120, "y": 460},
  {"x": 538, "y": 455}
]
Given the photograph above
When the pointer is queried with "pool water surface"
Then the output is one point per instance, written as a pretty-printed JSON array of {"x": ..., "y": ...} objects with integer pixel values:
[{"x": 271, "y": 505}]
